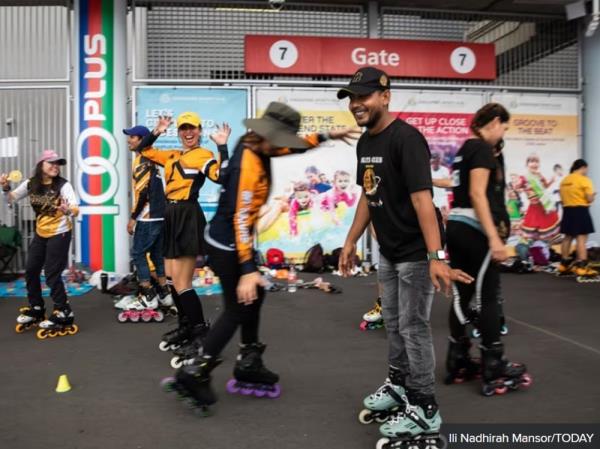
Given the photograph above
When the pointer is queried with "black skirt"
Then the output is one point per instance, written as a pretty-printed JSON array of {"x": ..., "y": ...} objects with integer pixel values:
[
  {"x": 576, "y": 220},
  {"x": 184, "y": 229}
]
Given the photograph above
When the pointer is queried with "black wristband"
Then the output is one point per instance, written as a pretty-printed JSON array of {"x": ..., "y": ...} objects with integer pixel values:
[{"x": 6, "y": 188}]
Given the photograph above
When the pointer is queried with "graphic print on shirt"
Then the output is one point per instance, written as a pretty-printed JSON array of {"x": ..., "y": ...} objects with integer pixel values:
[{"x": 371, "y": 184}]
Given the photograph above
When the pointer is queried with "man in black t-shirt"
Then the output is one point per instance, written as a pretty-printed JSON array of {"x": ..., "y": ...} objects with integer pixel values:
[{"x": 394, "y": 171}]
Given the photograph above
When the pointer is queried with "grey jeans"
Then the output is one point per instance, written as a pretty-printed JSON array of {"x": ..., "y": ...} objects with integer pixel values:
[{"x": 406, "y": 303}]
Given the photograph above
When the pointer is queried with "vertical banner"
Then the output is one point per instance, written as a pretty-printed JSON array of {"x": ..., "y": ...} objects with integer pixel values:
[
  {"x": 444, "y": 119},
  {"x": 542, "y": 142},
  {"x": 214, "y": 105},
  {"x": 101, "y": 163},
  {"x": 314, "y": 194}
]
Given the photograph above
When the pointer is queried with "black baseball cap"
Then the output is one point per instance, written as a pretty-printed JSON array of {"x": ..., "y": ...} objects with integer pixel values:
[{"x": 365, "y": 81}]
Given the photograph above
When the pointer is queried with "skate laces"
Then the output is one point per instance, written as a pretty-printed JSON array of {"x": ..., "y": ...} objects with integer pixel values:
[{"x": 382, "y": 391}]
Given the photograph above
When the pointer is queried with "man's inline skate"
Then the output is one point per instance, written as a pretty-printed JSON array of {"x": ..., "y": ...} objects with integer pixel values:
[
  {"x": 189, "y": 351},
  {"x": 585, "y": 273},
  {"x": 192, "y": 384},
  {"x": 459, "y": 364},
  {"x": 500, "y": 375},
  {"x": 415, "y": 427},
  {"x": 176, "y": 337},
  {"x": 144, "y": 308},
  {"x": 29, "y": 317},
  {"x": 373, "y": 319},
  {"x": 59, "y": 324},
  {"x": 250, "y": 376},
  {"x": 388, "y": 400}
]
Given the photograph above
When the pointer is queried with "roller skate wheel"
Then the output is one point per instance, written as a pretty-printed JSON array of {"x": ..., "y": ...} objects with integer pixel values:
[
  {"x": 52, "y": 333},
  {"x": 122, "y": 317},
  {"x": 146, "y": 317},
  {"x": 526, "y": 381},
  {"x": 504, "y": 330},
  {"x": 134, "y": 318},
  {"x": 275, "y": 392},
  {"x": 163, "y": 346},
  {"x": 73, "y": 329},
  {"x": 63, "y": 332},
  {"x": 500, "y": 390},
  {"x": 382, "y": 443},
  {"x": 232, "y": 386},
  {"x": 487, "y": 390},
  {"x": 259, "y": 393},
  {"x": 20, "y": 328},
  {"x": 475, "y": 333},
  {"x": 245, "y": 391},
  {"x": 41, "y": 334},
  {"x": 365, "y": 416},
  {"x": 176, "y": 363},
  {"x": 159, "y": 317},
  {"x": 363, "y": 326},
  {"x": 168, "y": 384}
]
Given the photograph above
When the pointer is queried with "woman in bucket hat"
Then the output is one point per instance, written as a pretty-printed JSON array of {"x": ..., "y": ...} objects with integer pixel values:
[
  {"x": 54, "y": 202},
  {"x": 186, "y": 170},
  {"x": 230, "y": 244}
]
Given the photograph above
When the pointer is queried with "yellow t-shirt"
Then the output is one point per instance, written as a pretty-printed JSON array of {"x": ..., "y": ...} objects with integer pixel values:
[{"x": 573, "y": 190}]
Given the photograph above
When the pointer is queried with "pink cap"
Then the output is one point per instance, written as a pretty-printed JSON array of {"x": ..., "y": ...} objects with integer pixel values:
[{"x": 52, "y": 156}]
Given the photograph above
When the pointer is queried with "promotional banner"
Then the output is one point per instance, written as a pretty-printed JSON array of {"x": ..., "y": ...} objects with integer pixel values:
[
  {"x": 444, "y": 119},
  {"x": 314, "y": 55},
  {"x": 101, "y": 170},
  {"x": 214, "y": 106},
  {"x": 313, "y": 195},
  {"x": 542, "y": 142}
]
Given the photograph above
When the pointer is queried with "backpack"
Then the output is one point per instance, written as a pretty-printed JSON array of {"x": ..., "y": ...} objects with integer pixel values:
[
  {"x": 275, "y": 258},
  {"x": 314, "y": 261}
]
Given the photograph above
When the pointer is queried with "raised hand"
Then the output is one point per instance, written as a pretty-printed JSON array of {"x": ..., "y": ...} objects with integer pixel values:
[
  {"x": 221, "y": 134},
  {"x": 347, "y": 134},
  {"x": 3, "y": 179},
  {"x": 164, "y": 121}
]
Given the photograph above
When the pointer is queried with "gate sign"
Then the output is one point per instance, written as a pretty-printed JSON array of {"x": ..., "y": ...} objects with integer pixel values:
[{"x": 301, "y": 55}]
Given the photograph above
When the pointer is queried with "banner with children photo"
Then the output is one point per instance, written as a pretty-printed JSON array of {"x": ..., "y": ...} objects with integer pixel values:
[
  {"x": 314, "y": 194},
  {"x": 444, "y": 119},
  {"x": 541, "y": 143}
]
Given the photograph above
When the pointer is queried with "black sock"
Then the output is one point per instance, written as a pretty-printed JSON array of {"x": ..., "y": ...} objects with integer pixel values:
[
  {"x": 192, "y": 306},
  {"x": 176, "y": 299}
]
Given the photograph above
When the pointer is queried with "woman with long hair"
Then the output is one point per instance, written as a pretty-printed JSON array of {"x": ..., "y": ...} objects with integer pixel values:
[
  {"x": 54, "y": 202},
  {"x": 186, "y": 170},
  {"x": 478, "y": 226}
]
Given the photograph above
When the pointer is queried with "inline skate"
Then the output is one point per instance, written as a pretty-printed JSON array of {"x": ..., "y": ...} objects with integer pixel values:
[
  {"x": 388, "y": 400},
  {"x": 500, "y": 375},
  {"x": 188, "y": 352},
  {"x": 165, "y": 300},
  {"x": 585, "y": 273},
  {"x": 192, "y": 384},
  {"x": 373, "y": 319},
  {"x": 176, "y": 337},
  {"x": 416, "y": 427},
  {"x": 29, "y": 317},
  {"x": 566, "y": 268},
  {"x": 250, "y": 376},
  {"x": 59, "y": 324},
  {"x": 459, "y": 364},
  {"x": 144, "y": 308}
]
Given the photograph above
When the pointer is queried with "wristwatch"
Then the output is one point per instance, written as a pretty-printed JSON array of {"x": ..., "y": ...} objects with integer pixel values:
[{"x": 440, "y": 254}]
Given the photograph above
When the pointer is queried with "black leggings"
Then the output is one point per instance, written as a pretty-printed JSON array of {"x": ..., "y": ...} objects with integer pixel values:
[
  {"x": 468, "y": 248},
  {"x": 226, "y": 266},
  {"x": 52, "y": 254}
]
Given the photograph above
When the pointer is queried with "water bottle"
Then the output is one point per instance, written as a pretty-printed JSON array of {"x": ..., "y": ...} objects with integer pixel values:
[{"x": 292, "y": 278}]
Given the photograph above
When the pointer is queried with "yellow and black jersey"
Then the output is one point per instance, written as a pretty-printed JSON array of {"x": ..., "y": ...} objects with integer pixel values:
[
  {"x": 148, "y": 191},
  {"x": 185, "y": 171},
  {"x": 49, "y": 219},
  {"x": 246, "y": 184}
]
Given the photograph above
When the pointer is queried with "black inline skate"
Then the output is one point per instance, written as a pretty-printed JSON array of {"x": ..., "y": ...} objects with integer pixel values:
[
  {"x": 192, "y": 384},
  {"x": 250, "y": 375},
  {"x": 59, "y": 324},
  {"x": 189, "y": 351},
  {"x": 176, "y": 337},
  {"x": 500, "y": 375},
  {"x": 29, "y": 317},
  {"x": 459, "y": 364}
]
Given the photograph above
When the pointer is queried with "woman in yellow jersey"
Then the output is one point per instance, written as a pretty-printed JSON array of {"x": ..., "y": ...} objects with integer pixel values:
[
  {"x": 54, "y": 202},
  {"x": 576, "y": 194},
  {"x": 186, "y": 169}
]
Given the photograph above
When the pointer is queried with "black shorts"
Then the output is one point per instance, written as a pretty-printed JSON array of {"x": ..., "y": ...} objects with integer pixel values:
[
  {"x": 184, "y": 229},
  {"x": 576, "y": 220}
]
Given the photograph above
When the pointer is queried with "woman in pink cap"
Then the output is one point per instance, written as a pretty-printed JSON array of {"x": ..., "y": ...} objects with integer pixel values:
[{"x": 54, "y": 202}]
